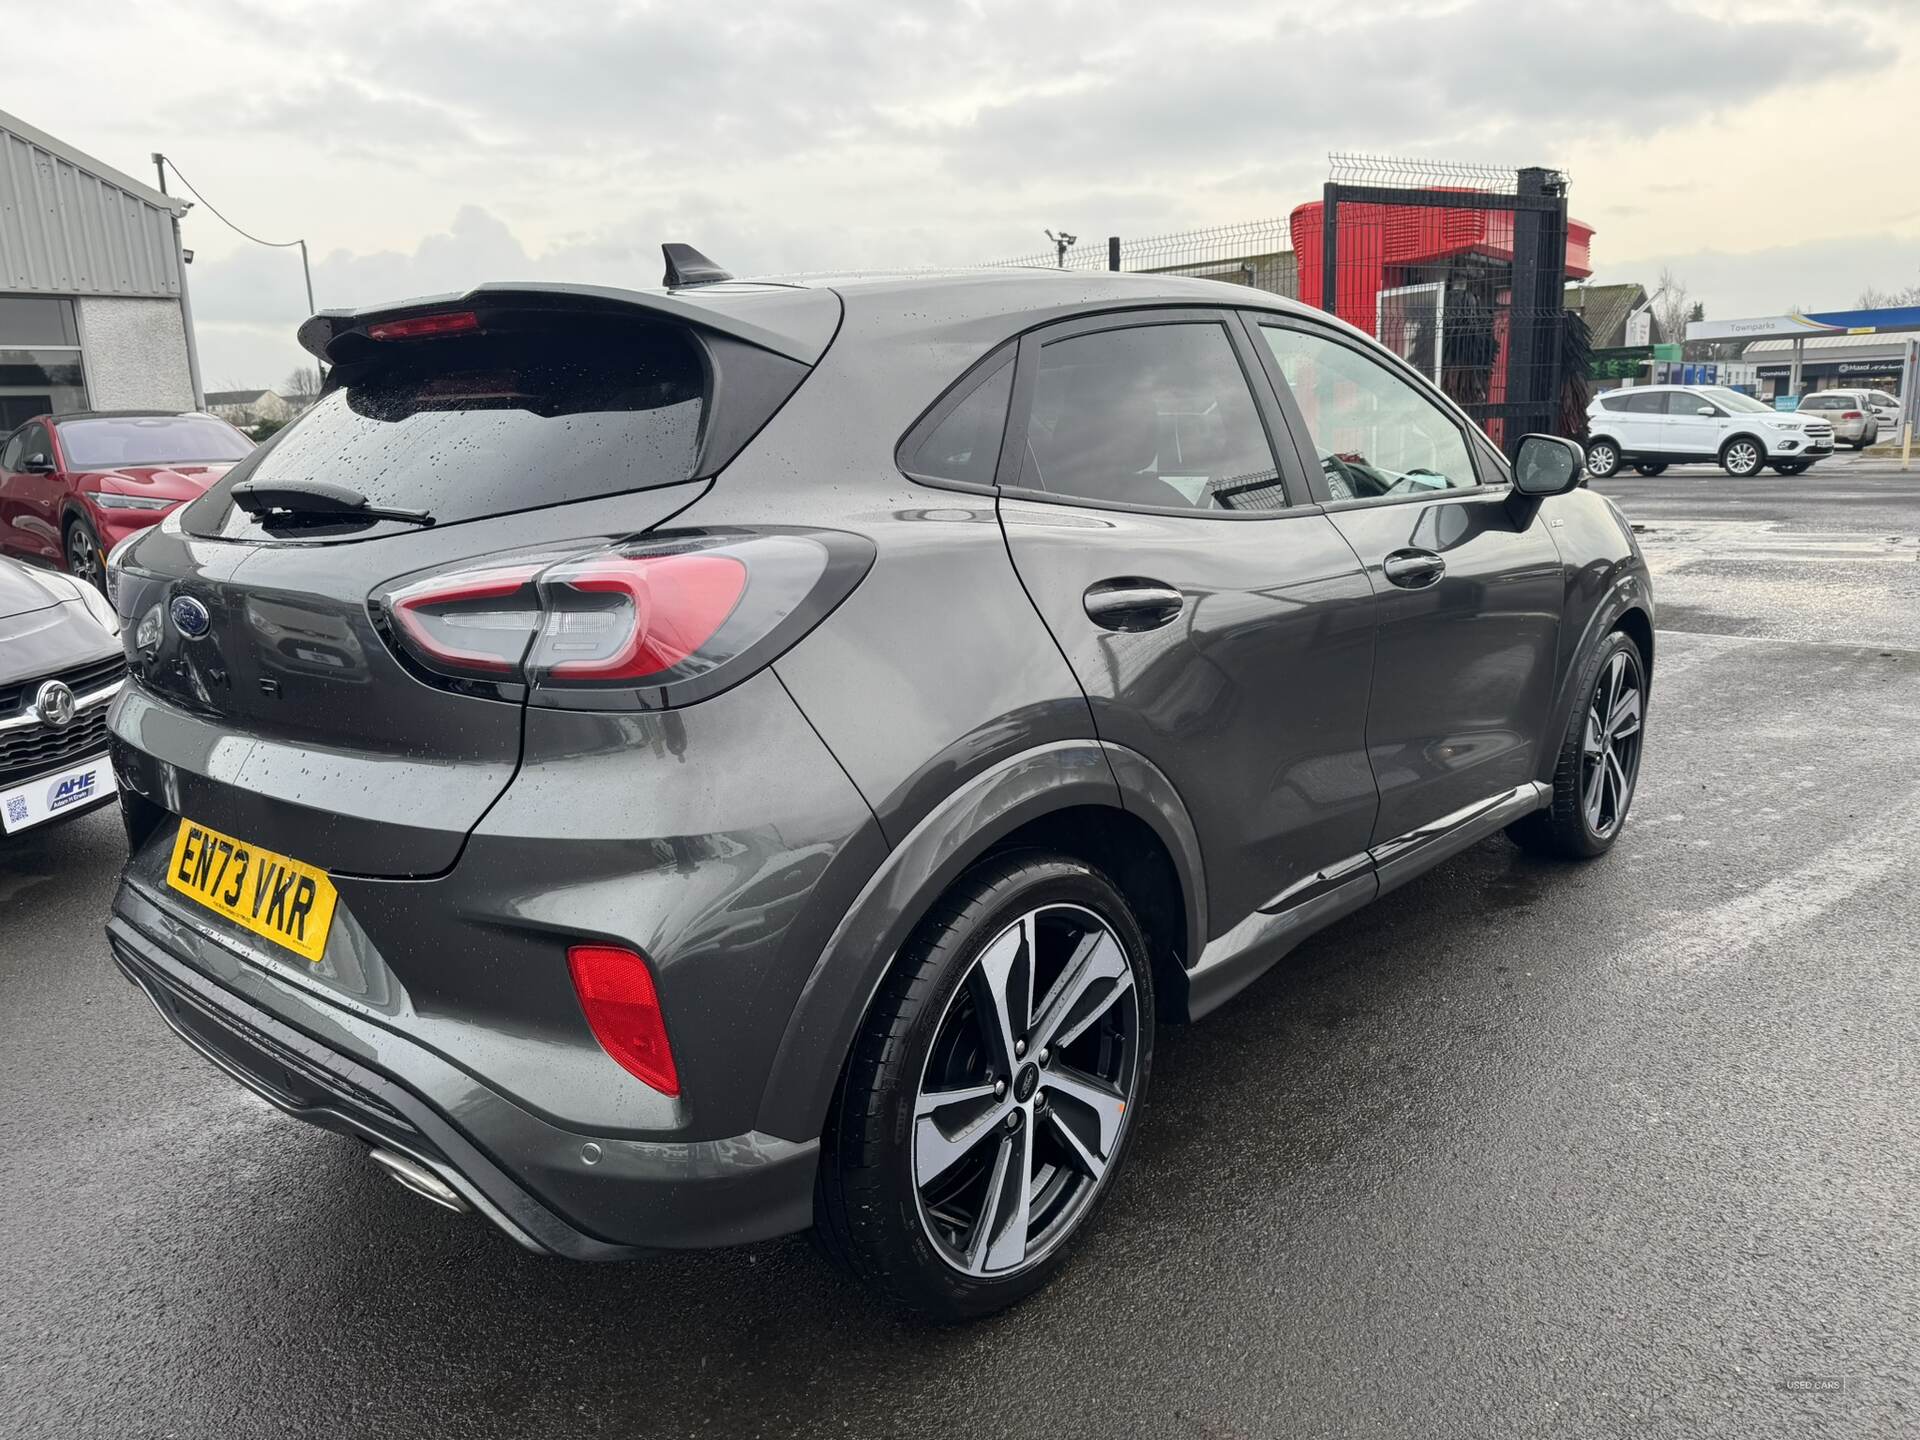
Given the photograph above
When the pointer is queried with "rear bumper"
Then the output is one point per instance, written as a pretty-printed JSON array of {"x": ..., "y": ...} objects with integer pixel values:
[{"x": 555, "y": 1191}]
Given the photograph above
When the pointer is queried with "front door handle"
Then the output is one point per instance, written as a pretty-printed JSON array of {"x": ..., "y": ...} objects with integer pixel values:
[
  {"x": 1130, "y": 603},
  {"x": 1413, "y": 569}
]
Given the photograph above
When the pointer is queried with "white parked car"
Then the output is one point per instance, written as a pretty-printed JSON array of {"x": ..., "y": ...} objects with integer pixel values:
[
  {"x": 1887, "y": 409},
  {"x": 1653, "y": 426},
  {"x": 1858, "y": 418}
]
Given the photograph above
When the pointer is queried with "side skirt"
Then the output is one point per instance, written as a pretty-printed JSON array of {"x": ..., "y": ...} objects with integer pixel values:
[{"x": 1233, "y": 961}]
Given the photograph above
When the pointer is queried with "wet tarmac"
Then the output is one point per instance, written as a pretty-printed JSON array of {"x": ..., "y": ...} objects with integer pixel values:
[{"x": 1525, "y": 1149}]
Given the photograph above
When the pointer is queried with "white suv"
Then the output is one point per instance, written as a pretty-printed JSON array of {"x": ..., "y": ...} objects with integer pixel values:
[{"x": 1653, "y": 426}]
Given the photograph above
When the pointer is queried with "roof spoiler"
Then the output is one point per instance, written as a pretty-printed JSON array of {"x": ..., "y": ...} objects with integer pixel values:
[{"x": 321, "y": 333}]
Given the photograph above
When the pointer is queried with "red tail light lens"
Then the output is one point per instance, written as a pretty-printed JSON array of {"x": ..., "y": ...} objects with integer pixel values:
[
  {"x": 644, "y": 625},
  {"x": 623, "y": 1010},
  {"x": 1851, "y": 415},
  {"x": 424, "y": 327},
  {"x": 634, "y": 617},
  {"x": 474, "y": 624}
]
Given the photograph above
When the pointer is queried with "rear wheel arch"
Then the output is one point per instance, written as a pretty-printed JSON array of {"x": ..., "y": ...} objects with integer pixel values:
[
  {"x": 1635, "y": 624},
  {"x": 1062, "y": 797},
  {"x": 1628, "y": 610}
]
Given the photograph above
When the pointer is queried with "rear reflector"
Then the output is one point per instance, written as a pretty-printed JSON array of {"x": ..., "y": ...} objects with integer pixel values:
[
  {"x": 616, "y": 992},
  {"x": 421, "y": 327}
]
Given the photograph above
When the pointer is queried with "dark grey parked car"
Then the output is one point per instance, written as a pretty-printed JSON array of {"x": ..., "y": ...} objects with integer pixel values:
[{"x": 679, "y": 767}]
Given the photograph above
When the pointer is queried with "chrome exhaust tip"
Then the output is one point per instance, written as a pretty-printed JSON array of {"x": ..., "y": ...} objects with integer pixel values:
[{"x": 420, "y": 1180}]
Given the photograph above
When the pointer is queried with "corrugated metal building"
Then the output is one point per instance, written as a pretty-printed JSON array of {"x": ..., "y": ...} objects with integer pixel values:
[{"x": 92, "y": 293}]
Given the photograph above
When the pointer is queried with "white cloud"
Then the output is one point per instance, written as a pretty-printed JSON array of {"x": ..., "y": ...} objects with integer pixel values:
[{"x": 429, "y": 145}]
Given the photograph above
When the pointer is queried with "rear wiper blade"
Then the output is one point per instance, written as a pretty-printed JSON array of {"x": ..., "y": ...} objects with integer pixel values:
[{"x": 316, "y": 500}]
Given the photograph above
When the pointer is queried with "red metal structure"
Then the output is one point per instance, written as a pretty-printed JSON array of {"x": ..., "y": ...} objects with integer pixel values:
[{"x": 1383, "y": 247}]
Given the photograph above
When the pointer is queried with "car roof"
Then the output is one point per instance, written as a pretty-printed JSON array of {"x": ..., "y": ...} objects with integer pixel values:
[
  {"x": 798, "y": 315},
  {"x": 66, "y": 415},
  {"x": 998, "y": 290}
]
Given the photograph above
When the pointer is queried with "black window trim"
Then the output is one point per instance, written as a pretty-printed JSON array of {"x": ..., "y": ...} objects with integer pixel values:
[
  {"x": 47, "y": 431},
  {"x": 950, "y": 400},
  {"x": 1491, "y": 480},
  {"x": 1273, "y": 421}
]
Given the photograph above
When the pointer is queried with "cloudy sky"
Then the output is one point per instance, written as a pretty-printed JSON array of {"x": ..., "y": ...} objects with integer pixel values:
[{"x": 1764, "y": 150}]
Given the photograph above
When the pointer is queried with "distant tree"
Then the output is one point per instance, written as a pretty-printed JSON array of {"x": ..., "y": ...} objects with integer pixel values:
[
  {"x": 302, "y": 385},
  {"x": 264, "y": 428},
  {"x": 1672, "y": 307},
  {"x": 1873, "y": 298}
]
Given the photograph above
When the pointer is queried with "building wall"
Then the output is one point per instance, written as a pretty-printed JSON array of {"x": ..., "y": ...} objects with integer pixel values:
[
  {"x": 135, "y": 353},
  {"x": 70, "y": 225}
]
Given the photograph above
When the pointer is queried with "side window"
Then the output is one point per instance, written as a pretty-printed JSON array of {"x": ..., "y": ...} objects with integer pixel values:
[
  {"x": 1652, "y": 403},
  {"x": 1149, "y": 415},
  {"x": 33, "y": 441},
  {"x": 10, "y": 456},
  {"x": 966, "y": 444},
  {"x": 1616, "y": 401},
  {"x": 1377, "y": 436},
  {"x": 1685, "y": 402}
]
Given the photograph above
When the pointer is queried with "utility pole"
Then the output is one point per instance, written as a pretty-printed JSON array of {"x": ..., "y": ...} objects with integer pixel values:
[
  {"x": 186, "y": 302},
  {"x": 160, "y": 163},
  {"x": 1909, "y": 400}
]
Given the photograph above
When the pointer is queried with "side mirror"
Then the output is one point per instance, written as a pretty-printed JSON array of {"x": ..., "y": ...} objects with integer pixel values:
[
  {"x": 1548, "y": 465},
  {"x": 37, "y": 464},
  {"x": 1707, "y": 410}
]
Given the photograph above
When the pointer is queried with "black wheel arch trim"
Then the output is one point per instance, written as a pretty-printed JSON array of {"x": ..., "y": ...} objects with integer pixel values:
[
  {"x": 991, "y": 805},
  {"x": 1630, "y": 594}
]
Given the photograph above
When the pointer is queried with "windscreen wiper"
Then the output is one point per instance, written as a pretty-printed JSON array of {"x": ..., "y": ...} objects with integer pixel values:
[{"x": 315, "y": 500}]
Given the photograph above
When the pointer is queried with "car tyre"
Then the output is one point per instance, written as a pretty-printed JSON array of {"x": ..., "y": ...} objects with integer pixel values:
[
  {"x": 920, "y": 1200},
  {"x": 1742, "y": 456},
  {"x": 1598, "y": 767},
  {"x": 1603, "y": 459},
  {"x": 1648, "y": 467},
  {"x": 85, "y": 556}
]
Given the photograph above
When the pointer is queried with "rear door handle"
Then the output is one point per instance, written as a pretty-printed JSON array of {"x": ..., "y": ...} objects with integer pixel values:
[
  {"x": 1413, "y": 569},
  {"x": 1130, "y": 603}
]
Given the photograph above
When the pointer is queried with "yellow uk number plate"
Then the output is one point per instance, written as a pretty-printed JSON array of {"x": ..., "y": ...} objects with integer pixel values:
[{"x": 289, "y": 903}]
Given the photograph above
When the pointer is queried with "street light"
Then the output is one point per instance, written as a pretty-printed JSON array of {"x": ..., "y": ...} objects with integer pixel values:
[{"x": 1062, "y": 243}]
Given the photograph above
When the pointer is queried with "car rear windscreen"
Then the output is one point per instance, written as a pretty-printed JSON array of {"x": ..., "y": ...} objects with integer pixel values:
[
  {"x": 112, "y": 444},
  {"x": 470, "y": 426}
]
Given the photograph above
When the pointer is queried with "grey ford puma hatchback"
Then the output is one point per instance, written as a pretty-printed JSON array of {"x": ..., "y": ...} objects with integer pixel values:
[{"x": 670, "y": 768}]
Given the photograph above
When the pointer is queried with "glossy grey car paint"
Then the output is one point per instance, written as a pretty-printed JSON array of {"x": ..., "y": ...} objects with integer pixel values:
[{"x": 770, "y": 848}]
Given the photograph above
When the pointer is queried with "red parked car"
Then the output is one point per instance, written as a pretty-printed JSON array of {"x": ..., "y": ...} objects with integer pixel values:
[{"x": 73, "y": 486}]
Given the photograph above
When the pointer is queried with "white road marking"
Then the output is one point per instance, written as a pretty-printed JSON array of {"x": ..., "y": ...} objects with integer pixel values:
[{"x": 1724, "y": 934}]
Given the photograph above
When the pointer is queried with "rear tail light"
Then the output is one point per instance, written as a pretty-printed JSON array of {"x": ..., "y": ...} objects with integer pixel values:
[
  {"x": 649, "y": 624},
  {"x": 1851, "y": 415},
  {"x": 623, "y": 1010}
]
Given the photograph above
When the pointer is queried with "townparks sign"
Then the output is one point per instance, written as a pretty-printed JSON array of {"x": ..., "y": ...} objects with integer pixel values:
[{"x": 1798, "y": 326}]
